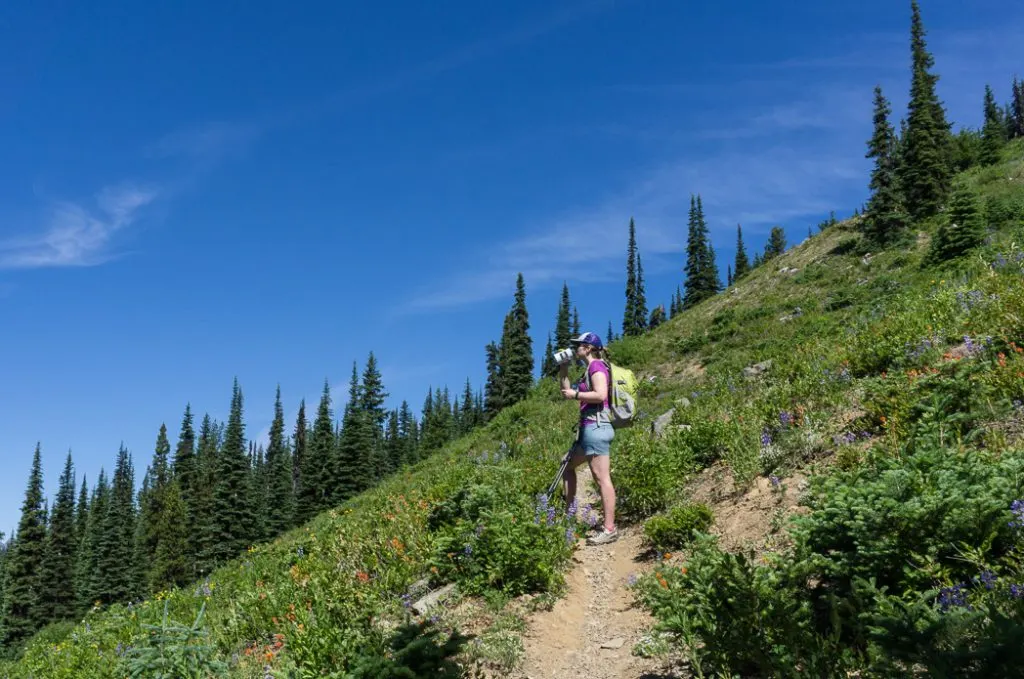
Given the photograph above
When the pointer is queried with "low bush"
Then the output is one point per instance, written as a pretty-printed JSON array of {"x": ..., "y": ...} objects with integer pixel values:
[{"x": 678, "y": 526}]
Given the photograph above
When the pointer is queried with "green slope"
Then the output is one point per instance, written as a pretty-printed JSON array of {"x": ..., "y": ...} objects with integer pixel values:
[{"x": 906, "y": 380}]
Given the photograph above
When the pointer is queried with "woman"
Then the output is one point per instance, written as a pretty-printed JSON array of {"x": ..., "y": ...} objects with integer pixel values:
[{"x": 595, "y": 431}]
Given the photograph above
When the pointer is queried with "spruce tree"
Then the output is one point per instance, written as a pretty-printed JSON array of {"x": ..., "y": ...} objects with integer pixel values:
[
  {"x": 548, "y": 368},
  {"x": 712, "y": 283},
  {"x": 492, "y": 387},
  {"x": 117, "y": 553},
  {"x": 407, "y": 432},
  {"x": 170, "y": 566},
  {"x": 926, "y": 151},
  {"x": 629, "y": 327},
  {"x": 24, "y": 611},
  {"x": 776, "y": 244},
  {"x": 57, "y": 578},
  {"x": 1017, "y": 109},
  {"x": 279, "y": 474},
  {"x": 468, "y": 414},
  {"x": 702, "y": 279},
  {"x": 232, "y": 495},
  {"x": 517, "y": 350},
  {"x": 373, "y": 395},
  {"x": 575, "y": 322},
  {"x": 728, "y": 276},
  {"x": 184, "y": 465},
  {"x": 563, "y": 329},
  {"x": 319, "y": 464},
  {"x": 994, "y": 130},
  {"x": 81, "y": 514},
  {"x": 204, "y": 530},
  {"x": 657, "y": 316},
  {"x": 962, "y": 231},
  {"x": 357, "y": 469},
  {"x": 741, "y": 265},
  {"x": 641, "y": 299},
  {"x": 152, "y": 504},
  {"x": 299, "y": 445},
  {"x": 610, "y": 337},
  {"x": 886, "y": 220},
  {"x": 87, "y": 575}
]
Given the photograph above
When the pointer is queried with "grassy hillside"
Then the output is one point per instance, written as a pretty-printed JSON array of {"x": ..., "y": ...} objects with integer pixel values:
[{"x": 903, "y": 386}]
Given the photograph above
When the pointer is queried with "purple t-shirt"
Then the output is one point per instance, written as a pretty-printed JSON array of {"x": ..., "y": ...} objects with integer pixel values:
[{"x": 589, "y": 411}]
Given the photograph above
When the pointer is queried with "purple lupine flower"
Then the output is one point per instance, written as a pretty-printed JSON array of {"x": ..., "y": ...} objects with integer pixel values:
[
  {"x": 950, "y": 597},
  {"x": 479, "y": 529},
  {"x": 1017, "y": 591},
  {"x": 1017, "y": 507},
  {"x": 766, "y": 438},
  {"x": 785, "y": 418},
  {"x": 571, "y": 511},
  {"x": 849, "y": 437},
  {"x": 551, "y": 515},
  {"x": 468, "y": 549},
  {"x": 988, "y": 578},
  {"x": 632, "y": 579},
  {"x": 406, "y": 600},
  {"x": 776, "y": 481},
  {"x": 570, "y": 536}
]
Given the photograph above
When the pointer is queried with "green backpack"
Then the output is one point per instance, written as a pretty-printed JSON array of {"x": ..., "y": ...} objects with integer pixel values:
[{"x": 622, "y": 397}]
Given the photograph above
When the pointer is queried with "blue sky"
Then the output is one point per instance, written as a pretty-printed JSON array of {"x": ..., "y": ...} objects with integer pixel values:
[{"x": 196, "y": 191}]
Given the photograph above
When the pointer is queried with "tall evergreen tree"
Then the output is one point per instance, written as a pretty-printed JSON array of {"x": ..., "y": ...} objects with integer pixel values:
[
  {"x": 356, "y": 451},
  {"x": 170, "y": 563},
  {"x": 517, "y": 350},
  {"x": 151, "y": 505},
  {"x": 24, "y": 611},
  {"x": 233, "y": 513},
  {"x": 57, "y": 577},
  {"x": 205, "y": 529},
  {"x": 575, "y": 322},
  {"x": 657, "y": 316},
  {"x": 184, "y": 465},
  {"x": 279, "y": 474},
  {"x": 492, "y": 387},
  {"x": 886, "y": 219},
  {"x": 563, "y": 327},
  {"x": 728, "y": 276},
  {"x": 1017, "y": 109},
  {"x": 81, "y": 514},
  {"x": 299, "y": 445},
  {"x": 610, "y": 337},
  {"x": 407, "y": 432},
  {"x": 993, "y": 133},
  {"x": 393, "y": 442},
  {"x": 373, "y": 395},
  {"x": 925, "y": 171},
  {"x": 629, "y": 315},
  {"x": 319, "y": 464},
  {"x": 741, "y": 265},
  {"x": 86, "y": 578},
  {"x": 962, "y": 231},
  {"x": 641, "y": 298},
  {"x": 548, "y": 368},
  {"x": 118, "y": 566},
  {"x": 701, "y": 271},
  {"x": 468, "y": 415},
  {"x": 776, "y": 244}
]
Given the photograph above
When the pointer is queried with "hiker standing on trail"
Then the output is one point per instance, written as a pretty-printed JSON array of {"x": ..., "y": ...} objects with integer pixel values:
[{"x": 593, "y": 443}]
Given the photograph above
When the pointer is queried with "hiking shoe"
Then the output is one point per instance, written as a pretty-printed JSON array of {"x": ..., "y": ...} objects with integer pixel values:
[{"x": 603, "y": 538}]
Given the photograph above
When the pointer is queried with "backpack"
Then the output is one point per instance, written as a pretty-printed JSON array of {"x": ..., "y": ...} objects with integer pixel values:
[
  {"x": 623, "y": 402},
  {"x": 622, "y": 397}
]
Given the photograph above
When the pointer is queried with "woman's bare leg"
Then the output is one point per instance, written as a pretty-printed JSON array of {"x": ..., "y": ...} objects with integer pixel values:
[{"x": 600, "y": 468}]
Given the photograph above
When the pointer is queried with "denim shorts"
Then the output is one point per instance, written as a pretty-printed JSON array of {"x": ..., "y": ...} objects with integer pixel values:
[{"x": 594, "y": 439}]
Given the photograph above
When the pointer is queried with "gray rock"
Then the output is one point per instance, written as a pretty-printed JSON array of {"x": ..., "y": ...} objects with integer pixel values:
[
  {"x": 433, "y": 599},
  {"x": 659, "y": 425},
  {"x": 614, "y": 644},
  {"x": 683, "y": 402},
  {"x": 757, "y": 369},
  {"x": 420, "y": 587}
]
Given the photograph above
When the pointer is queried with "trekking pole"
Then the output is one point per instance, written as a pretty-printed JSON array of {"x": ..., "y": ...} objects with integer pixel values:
[{"x": 561, "y": 470}]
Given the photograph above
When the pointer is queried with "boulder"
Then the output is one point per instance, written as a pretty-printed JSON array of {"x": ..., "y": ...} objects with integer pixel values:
[
  {"x": 433, "y": 599},
  {"x": 757, "y": 369}
]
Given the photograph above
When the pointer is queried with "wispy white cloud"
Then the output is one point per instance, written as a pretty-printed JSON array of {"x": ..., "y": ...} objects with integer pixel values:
[
  {"x": 208, "y": 142},
  {"x": 77, "y": 235}
]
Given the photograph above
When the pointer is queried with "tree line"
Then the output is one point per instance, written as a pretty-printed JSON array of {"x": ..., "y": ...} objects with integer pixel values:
[{"x": 208, "y": 499}]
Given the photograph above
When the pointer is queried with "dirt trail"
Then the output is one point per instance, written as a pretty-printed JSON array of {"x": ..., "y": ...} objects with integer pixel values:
[{"x": 590, "y": 632}]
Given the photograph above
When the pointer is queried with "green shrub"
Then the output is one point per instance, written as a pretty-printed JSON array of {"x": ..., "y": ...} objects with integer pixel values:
[
  {"x": 414, "y": 652},
  {"x": 677, "y": 527},
  {"x": 647, "y": 473}
]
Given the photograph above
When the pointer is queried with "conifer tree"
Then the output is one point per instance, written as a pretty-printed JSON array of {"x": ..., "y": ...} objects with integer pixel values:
[
  {"x": 81, "y": 515},
  {"x": 712, "y": 283},
  {"x": 373, "y": 395},
  {"x": 407, "y": 432},
  {"x": 657, "y": 316},
  {"x": 886, "y": 220},
  {"x": 357, "y": 461},
  {"x": 86, "y": 578},
  {"x": 170, "y": 563},
  {"x": 117, "y": 554},
  {"x": 993, "y": 133},
  {"x": 776, "y": 244},
  {"x": 184, "y": 465},
  {"x": 610, "y": 336},
  {"x": 57, "y": 577},
  {"x": 1017, "y": 110},
  {"x": 563, "y": 328},
  {"x": 151, "y": 505},
  {"x": 517, "y": 350},
  {"x": 24, "y": 610},
  {"x": 468, "y": 414},
  {"x": 279, "y": 474},
  {"x": 925, "y": 171},
  {"x": 741, "y": 265},
  {"x": 548, "y": 368},
  {"x": 492, "y": 388},
  {"x": 962, "y": 231},
  {"x": 233, "y": 514},
  {"x": 728, "y": 276},
  {"x": 298, "y": 453},
  {"x": 259, "y": 500},
  {"x": 575, "y": 322},
  {"x": 204, "y": 531},
  {"x": 319, "y": 463},
  {"x": 641, "y": 298},
  {"x": 392, "y": 442},
  {"x": 629, "y": 315},
  {"x": 701, "y": 271}
]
